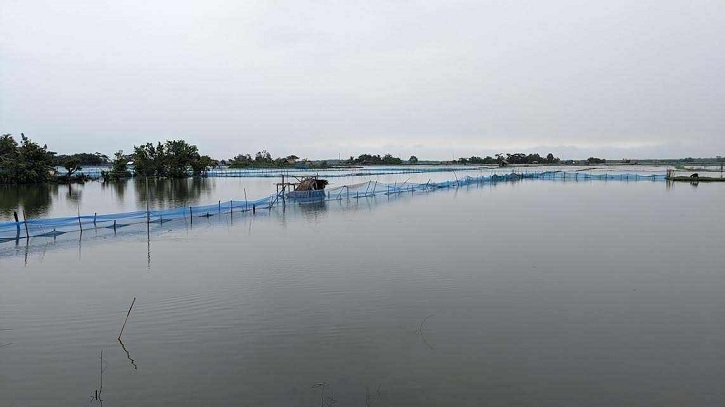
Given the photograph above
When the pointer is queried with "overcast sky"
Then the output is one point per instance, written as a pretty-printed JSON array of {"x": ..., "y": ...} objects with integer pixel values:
[{"x": 611, "y": 78}]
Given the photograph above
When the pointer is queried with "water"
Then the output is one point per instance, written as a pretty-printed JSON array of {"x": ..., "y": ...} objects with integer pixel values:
[
  {"x": 52, "y": 201},
  {"x": 541, "y": 293}
]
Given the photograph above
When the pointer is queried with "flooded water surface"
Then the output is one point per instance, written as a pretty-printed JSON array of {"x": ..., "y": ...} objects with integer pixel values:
[{"x": 535, "y": 293}]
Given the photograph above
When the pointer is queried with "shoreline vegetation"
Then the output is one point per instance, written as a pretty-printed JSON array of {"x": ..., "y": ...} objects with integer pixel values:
[{"x": 26, "y": 162}]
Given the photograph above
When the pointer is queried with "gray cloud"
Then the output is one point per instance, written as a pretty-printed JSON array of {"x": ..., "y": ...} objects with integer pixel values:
[{"x": 322, "y": 78}]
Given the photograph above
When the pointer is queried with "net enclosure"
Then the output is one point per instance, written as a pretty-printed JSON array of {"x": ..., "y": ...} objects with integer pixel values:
[{"x": 53, "y": 227}]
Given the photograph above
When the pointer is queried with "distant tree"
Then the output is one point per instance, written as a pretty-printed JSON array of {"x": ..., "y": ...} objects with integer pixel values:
[
  {"x": 26, "y": 162},
  {"x": 148, "y": 160},
  {"x": 94, "y": 159},
  {"x": 388, "y": 159},
  {"x": 71, "y": 166},
  {"x": 263, "y": 157},
  {"x": 368, "y": 159},
  {"x": 413, "y": 159},
  {"x": 500, "y": 160},
  {"x": 119, "y": 166},
  {"x": 241, "y": 161},
  {"x": 9, "y": 163},
  {"x": 476, "y": 160},
  {"x": 174, "y": 158},
  {"x": 202, "y": 164},
  {"x": 595, "y": 160},
  {"x": 180, "y": 156}
]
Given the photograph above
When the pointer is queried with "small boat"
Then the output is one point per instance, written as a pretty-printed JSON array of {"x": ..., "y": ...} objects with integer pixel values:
[{"x": 308, "y": 189}]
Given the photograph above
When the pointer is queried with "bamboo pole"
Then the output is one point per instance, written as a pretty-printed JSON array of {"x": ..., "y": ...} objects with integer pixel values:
[{"x": 148, "y": 216}]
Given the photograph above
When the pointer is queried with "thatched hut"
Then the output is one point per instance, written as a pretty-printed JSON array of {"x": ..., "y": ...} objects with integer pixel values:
[{"x": 311, "y": 184}]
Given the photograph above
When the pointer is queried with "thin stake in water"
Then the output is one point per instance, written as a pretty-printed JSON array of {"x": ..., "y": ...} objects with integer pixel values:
[{"x": 126, "y": 320}]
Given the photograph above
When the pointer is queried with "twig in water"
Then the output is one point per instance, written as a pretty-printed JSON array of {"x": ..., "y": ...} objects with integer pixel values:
[
  {"x": 322, "y": 386},
  {"x": 420, "y": 328},
  {"x": 126, "y": 320},
  {"x": 128, "y": 355},
  {"x": 369, "y": 396},
  {"x": 331, "y": 398},
  {"x": 419, "y": 331},
  {"x": 99, "y": 392},
  {"x": 5, "y": 344}
]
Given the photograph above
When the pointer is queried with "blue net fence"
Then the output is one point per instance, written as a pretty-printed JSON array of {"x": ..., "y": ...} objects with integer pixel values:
[
  {"x": 54, "y": 227},
  {"x": 335, "y": 172}
]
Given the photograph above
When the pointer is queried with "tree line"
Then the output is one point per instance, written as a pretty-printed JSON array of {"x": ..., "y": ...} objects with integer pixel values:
[
  {"x": 515, "y": 159},
  {"x": 387, "y": 159},
  {"x": 261, "y": 159},
  {"x": 28, "y": 162}
]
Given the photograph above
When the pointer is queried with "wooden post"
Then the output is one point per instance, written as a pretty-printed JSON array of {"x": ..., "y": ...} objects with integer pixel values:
[
  {"x": 114, "y": 226},
  {"x": 191, "y": 216},
  {"x": 220, "y": 207},
  {"x": 246, "y": 206},
  {"x": 25, "y": 221},
  {"x": 254, "y": 208},
  {"x": 95, "y": 214},
  {"x": 231, "y": 209},
  {"x": 17, "y": 225}
]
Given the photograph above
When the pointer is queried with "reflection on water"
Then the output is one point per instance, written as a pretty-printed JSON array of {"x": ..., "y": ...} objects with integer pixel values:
[
  {"x": 74, "y": 193},
  {"x": 34, "y": 199},
  {"x": 169, "y": 193},
  {"x": 313, "y": 210},
  {"x": 119, "y": 187},
  {"x": 54, "y": 200}
]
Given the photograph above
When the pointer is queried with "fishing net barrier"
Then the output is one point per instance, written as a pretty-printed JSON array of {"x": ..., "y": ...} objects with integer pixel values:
[
  {"x": 337, "y": 172},
  {"x": 113, "y": 223}
]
